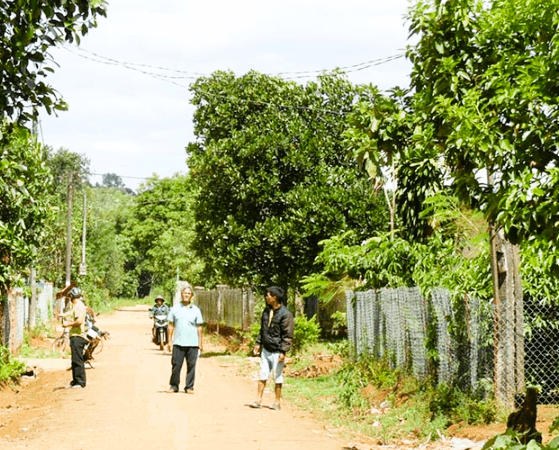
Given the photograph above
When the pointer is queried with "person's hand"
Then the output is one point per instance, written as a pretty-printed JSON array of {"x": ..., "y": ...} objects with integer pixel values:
[
  {"x": 281, "y": 357},
  {"x": 256, "y": 350}
]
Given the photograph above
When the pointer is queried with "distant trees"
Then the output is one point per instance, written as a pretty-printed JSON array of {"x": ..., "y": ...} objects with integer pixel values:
[{"x": 159, "y": 233}]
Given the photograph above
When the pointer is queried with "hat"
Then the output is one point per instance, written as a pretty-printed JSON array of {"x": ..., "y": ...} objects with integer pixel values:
[
  {"x": 276, "y": 291},
  {"x": 159, "y": 297}
]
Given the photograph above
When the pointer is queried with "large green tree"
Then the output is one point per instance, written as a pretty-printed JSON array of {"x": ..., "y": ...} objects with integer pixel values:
[
  {"x": 274, "y": 178},
  {"x": 483, "y": 76},
  {"x": 28, "y": 29},
  {"x": 24, "y": 208}
]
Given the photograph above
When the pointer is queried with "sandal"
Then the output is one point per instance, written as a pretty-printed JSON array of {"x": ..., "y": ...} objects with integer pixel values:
[
  {"x": 275, "y": 407},
  {"x": 255, "y": 405}
]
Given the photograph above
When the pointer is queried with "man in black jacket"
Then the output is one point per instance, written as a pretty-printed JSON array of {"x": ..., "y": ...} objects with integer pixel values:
[{"x": 273, "y": 342}]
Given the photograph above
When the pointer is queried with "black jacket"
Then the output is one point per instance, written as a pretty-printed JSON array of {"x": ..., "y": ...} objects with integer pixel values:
[{"x": 277, "y": 337}]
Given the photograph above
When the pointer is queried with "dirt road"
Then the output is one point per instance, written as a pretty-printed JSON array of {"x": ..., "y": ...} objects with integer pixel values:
[{"x": 125, "y": 405}]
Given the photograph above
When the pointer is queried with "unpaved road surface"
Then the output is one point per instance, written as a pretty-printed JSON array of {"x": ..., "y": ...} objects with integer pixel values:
[{"x": 125, "y": 405}]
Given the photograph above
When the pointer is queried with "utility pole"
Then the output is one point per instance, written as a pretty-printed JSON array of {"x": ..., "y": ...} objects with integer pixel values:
[
  {"x": 83, "y": 266},
  {"x": 69, "y": 233}
]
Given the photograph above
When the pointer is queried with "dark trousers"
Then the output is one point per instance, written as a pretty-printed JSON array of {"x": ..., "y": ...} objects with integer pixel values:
[
  {"x": 181, "y": 353},
  {"x": 77, "y": 344}
]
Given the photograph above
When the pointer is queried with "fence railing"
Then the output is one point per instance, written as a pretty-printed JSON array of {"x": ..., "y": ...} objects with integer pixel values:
[
  {"x": 471, "y": 343},
  {"x": 14, "y": 314},
  {"x": 230, "y": 307}
]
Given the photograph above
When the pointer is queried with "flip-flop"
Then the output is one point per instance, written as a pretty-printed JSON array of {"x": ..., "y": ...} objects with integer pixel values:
[{"x": 255, "y": 405}]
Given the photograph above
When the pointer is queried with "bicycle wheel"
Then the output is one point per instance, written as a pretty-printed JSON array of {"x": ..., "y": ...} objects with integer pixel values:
[
  {"x": 98, "y": 347},
  {"x": 60, "y": 344}
]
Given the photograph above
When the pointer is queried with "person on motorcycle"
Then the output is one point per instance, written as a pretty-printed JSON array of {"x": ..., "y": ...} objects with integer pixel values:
[{"x": 160, "y": 308}]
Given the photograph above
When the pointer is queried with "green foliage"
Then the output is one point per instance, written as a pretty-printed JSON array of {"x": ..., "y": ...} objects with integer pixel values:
[
  {"x": 481, "y": 75},
  {"x": 356, "y": 376},
  {"x": 159, "y": 234},
  {"x": 339, "y": 325},
  {"x": 69, "y": 171},
  {"x": 455, "y": 406},
  {"x": 273, "y": 176},
  {"x": 10, "y": 367},
  {"x": 306, "y": 332},
  {"x": 109, "y": 209},
  {"x": 511, "y": 440},
  {"x": 382, "y": 261},
  {"x": 30, "y": 29},
  {"x": 24, "y": 209}
]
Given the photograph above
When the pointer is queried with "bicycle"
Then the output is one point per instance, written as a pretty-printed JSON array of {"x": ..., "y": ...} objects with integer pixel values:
[
  {"x": 95, "y": 344},
  {"x": 62, "y": 342}
]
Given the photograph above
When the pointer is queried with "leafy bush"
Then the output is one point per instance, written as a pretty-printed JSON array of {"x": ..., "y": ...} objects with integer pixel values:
[
  {"x": 306, "y": 332},
  {"x": 458, "y": 406},
  {"x": 9, "y": 366}
]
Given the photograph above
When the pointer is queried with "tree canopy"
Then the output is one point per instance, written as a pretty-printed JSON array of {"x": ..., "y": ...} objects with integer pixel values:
[
  {"x": 273, "y": 176},
  {"x": 24, "y": 208},
  {"x": 28, "y": 29}
]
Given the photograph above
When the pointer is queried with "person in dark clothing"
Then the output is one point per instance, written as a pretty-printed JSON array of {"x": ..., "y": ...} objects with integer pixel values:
[
  {"x": 76, "y": 323},
  {"x": 273, "y": 342}
]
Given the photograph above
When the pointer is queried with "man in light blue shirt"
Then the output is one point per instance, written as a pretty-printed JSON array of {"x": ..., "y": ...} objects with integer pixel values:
[{"x": 185, "y": 331}]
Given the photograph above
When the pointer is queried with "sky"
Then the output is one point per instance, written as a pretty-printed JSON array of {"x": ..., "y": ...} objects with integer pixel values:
[{"x": 129, "y": 121}]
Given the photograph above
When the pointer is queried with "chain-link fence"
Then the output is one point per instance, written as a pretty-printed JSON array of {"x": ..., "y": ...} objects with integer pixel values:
[{"x": 476, "y": 344}]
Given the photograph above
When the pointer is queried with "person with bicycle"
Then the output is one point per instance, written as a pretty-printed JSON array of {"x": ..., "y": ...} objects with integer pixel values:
[{"x": 75, "y": 320}]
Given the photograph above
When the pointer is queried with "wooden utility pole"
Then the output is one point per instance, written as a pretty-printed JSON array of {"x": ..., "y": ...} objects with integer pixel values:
[
  {"x": 69, "y": 233},
  {"x": 83, "y": 266}
]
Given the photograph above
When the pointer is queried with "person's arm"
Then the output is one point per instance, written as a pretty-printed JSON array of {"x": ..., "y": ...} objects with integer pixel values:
[
  {"x": 200, "y": 344},
  {"x": 257, "y": 348},
  {"x": 170, "y": 328},
  {"x": 286, "y": 326},
  {"x": 78, "y": 321}
]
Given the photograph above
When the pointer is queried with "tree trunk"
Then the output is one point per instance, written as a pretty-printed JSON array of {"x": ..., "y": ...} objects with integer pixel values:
[{"x": 509, "y": 319}]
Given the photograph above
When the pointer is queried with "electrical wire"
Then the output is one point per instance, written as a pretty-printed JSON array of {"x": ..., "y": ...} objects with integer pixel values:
[{"x": 95, "y": 57}]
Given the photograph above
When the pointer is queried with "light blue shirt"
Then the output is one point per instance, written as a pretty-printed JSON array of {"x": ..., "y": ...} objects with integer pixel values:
[{"x": 186, "y": 320}]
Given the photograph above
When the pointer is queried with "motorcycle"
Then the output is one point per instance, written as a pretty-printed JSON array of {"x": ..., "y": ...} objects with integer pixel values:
[
  {"x": 94, "y": 337},
  {"x": 160, "y": 324}
]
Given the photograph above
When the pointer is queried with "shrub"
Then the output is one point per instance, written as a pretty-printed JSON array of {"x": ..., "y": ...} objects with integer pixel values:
[
  {"x": 9, "y": 366},
  {"x": 306, "y": 332}
]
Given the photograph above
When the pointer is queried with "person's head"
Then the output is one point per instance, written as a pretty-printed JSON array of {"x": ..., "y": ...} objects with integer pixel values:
[
  {"x": 75, "y": 293},
  {"x": 274, "y": 295},
  {"x": 159, "y": 300},
  {"x": 187, "y": 294}
]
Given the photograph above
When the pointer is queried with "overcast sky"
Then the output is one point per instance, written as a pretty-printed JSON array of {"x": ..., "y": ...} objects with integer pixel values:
[{"x": 135, "y": 125}]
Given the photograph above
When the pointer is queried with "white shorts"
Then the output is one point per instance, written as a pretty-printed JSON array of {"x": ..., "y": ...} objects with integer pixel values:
[{"x": 269, "y": 365}]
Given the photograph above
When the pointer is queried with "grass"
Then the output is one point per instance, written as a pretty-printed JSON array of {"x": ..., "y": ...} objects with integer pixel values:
[{"x": 365, "y": 398}]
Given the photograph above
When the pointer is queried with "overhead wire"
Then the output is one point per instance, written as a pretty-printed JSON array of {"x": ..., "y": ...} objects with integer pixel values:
[{"x": 83, "y": 53}]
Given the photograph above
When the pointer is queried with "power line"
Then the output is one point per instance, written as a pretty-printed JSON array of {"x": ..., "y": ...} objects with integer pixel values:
[{"x": 195, "y": 75}]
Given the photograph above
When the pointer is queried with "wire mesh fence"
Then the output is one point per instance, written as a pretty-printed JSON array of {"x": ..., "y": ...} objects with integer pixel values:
[{"x": 487, "y": 348}]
